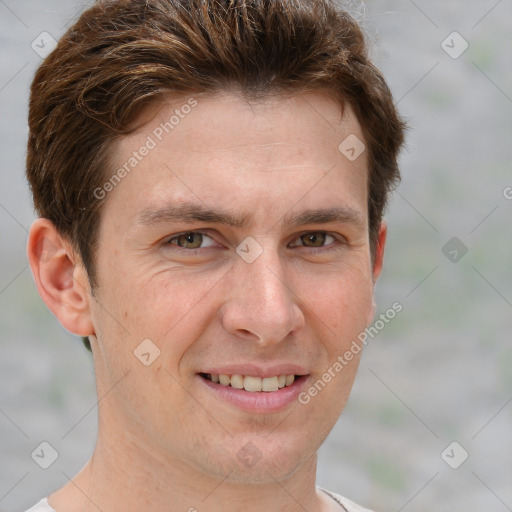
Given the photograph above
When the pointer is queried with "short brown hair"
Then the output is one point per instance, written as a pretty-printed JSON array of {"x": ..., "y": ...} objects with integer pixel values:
[{"x": 121, "y": 55}]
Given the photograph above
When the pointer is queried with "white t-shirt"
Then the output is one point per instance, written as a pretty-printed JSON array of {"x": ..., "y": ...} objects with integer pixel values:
[{"x": 347, "y": 505}]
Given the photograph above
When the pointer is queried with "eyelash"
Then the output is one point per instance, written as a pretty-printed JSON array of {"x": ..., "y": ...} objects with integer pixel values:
[{"x": 314, "y": 250}]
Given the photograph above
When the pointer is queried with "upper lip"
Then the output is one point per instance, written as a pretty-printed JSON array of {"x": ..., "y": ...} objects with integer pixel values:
[{"x": 254, "y": 370}]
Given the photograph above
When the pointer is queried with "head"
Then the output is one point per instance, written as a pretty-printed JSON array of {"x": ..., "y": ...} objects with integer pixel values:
[{"x": 154, "y": 119}]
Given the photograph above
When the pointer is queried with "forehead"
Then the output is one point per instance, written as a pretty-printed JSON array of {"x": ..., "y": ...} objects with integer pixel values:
[{"x": 257, "y": 157}]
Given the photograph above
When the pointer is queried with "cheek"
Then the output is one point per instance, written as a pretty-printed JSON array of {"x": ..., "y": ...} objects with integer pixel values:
[
  {"x": 170, "y": 309},
  {"x": 342, "y": 301}
]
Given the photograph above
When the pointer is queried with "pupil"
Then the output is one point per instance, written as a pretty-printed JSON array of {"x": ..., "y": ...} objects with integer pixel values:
[
  {"x": 316, "y": 238},
  {"x": 189, "y": 239}
]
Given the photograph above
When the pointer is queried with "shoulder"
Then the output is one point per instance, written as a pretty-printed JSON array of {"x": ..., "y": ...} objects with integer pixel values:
[
  {"x": 347, "y": 504},
  {"x": 42, "y": 506}
]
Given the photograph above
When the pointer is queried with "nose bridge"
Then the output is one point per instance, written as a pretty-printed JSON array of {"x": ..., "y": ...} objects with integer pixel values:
[
  {"x": 268, "y": 281},
  {"x": 262, "y": 300}
]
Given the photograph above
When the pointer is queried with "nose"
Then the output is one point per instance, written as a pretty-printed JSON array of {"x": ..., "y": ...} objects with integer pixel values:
[{"x": 262, "y": 305}]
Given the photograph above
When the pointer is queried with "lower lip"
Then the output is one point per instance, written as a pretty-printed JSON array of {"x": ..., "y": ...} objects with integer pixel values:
[{"x": 258, "y": 401}]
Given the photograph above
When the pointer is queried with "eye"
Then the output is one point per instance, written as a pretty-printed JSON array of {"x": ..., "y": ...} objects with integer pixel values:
[
  {"x": 191, "y": 240},
  {"x": 315, "y": 239}
]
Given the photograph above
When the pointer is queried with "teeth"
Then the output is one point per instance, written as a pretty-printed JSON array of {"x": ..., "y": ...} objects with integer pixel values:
[
  {"x": 250, "y": 383},
  {"x": 237, "y": 381},
  {"x": 269, "y": 384}
]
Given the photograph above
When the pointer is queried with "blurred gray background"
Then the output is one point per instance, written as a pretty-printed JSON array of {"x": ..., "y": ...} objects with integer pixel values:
[{"x": 440, "y": 372}]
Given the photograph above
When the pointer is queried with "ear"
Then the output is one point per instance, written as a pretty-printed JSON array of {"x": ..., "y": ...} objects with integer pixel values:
[
  {"x": 379, "y": 251},
  {"x": 377, "y": 265},
  {"x": 60, "y": 277}
]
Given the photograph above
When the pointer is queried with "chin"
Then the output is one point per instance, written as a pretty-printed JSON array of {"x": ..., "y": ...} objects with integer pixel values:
[{"x": 259, "y": 461}]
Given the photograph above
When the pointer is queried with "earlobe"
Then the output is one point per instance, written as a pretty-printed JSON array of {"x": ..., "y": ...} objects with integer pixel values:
[{"x": 60, "y": 277}]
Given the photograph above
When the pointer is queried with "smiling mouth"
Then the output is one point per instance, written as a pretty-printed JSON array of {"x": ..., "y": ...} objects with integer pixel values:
[{"x": 250, "y": 383}]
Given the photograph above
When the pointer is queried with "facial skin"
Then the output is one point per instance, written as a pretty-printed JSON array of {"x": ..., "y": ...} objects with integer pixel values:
[{"x": 166, "y": 440}]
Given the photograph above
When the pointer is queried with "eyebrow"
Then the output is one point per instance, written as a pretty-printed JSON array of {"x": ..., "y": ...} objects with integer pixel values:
[{"x": 191, "y": 212}]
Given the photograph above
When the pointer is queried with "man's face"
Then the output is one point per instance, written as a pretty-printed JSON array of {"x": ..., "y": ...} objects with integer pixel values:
[{"x": 273, "y": 294}]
